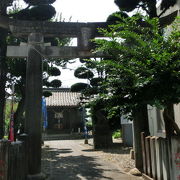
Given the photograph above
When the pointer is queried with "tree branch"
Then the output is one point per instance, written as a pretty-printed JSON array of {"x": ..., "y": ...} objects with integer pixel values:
[
  {"x": 170, "y": 121},
  {"x": 162, "y": 12}
]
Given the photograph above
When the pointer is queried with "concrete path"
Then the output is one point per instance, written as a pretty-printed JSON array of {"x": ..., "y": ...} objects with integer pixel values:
[{"x": 73, "y": 160}]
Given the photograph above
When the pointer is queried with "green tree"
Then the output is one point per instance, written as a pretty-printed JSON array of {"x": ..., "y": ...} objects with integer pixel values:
[
  {"x": 143, "y": 67},
  {"x": 16, "y": 74},
  {"x": 40, "y": 10},
  {"x": 103, "y": 126}
]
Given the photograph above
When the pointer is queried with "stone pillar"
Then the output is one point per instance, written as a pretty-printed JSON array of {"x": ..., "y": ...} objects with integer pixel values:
[{"x": 33, "y": 108}]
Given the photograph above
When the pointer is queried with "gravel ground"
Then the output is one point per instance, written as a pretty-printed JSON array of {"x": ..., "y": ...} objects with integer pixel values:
[{"x": 117, "y": 154}]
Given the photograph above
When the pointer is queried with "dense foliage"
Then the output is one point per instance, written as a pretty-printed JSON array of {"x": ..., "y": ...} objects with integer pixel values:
[
  {"x": 149, "y": 6},
  {"x": 144, "y": 65},
  {"x": 37, "y": 10},
  {"x": 39, "y": 2},
  {"x": 35, "y": 13},
  {"x": 142, "y": 68},
  {"x": 83, "y": 73},
  {"x": 78, "y": 87}
]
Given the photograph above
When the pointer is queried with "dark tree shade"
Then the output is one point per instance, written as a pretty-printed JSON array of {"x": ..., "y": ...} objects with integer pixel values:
[
  {"x": 96, "y": 81},
  {"x": 83, "y": 73},
  {"x": 17, "y": 67},
  {"x": 46, "y": 83},
  {"x": 55, "y": 83},
  {"x": 47, "y": 93},
  {"x": 39, "y": 2},
  {"x": 55, "y": 71},
  {"x": 113, "y": 18},
  {"x": 45, "y": 66},
  {"x": 127, "y": 5},
  {"x": 39, "y": 13},
  {"x": 91, "y": 91},
  {"x": 78, "y": 87},
  {"x": 83, "y": 60}
]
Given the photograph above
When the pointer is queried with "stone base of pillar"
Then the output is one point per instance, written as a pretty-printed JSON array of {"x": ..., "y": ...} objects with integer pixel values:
[{"x": 39, "y": 176}]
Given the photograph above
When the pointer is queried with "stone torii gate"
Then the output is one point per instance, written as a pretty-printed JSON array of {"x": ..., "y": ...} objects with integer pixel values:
[{"x": 35, "y": 48}]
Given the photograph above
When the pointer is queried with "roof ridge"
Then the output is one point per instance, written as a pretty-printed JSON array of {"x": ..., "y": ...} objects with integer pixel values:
[{"x": 64, "y": 98}]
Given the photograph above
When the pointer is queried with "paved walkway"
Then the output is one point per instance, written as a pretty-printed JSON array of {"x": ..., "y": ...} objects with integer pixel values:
[{"x": 74, "y": 160}]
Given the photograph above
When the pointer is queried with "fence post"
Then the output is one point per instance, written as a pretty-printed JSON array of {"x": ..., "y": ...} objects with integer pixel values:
[
  {"x": 4, "y": 151},
  {"x": 144, "y": 152},
  {"x": 148, "y": 155},
  {"x": 153, "y": 157},
  {"x": 24, "y": 139},
  {"x": 165, "y": 159},
  {"x": 158, "y": 158}
]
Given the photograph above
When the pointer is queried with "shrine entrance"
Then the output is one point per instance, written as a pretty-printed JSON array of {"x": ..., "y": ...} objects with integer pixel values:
[{"x": 34, "y": 49}]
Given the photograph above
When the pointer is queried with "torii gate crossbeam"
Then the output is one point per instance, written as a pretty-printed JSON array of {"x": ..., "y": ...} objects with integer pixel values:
[{"x": 36, "y": 31}]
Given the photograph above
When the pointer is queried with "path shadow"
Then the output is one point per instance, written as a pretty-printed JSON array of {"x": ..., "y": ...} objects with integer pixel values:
[
  {"x": 56, "y": 151},
  {"x": 71, "y": 167}
]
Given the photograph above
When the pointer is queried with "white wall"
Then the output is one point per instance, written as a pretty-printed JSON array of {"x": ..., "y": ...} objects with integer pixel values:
[
  {"x": 177, "y": 114},
  {"x": 156, "y": 122}
]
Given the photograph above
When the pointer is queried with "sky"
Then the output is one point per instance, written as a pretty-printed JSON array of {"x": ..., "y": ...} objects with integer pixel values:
[
  {"x": 82, "y": 11},
  {"x": 85, "y": 10}
]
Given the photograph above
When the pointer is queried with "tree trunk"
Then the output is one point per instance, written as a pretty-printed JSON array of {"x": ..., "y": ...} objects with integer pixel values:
[
  {"x": 3, "y": 49},
  {"x": 102, "y": 135},
  {"x": 140, "y": 124},
  {"x": 170, "y": 125}
]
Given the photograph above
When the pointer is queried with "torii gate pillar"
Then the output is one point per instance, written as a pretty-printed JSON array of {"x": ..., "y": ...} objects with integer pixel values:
[{"x": 33, "y": 109}]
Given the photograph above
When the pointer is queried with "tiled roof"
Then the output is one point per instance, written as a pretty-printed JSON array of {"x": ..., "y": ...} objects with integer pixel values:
[{"x": 63, "y": 98}]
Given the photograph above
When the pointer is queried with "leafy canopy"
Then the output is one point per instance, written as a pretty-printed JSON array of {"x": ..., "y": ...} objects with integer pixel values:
[
  {"x": 37, "y": 10},
  {"x": 143, "y": 66}
]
